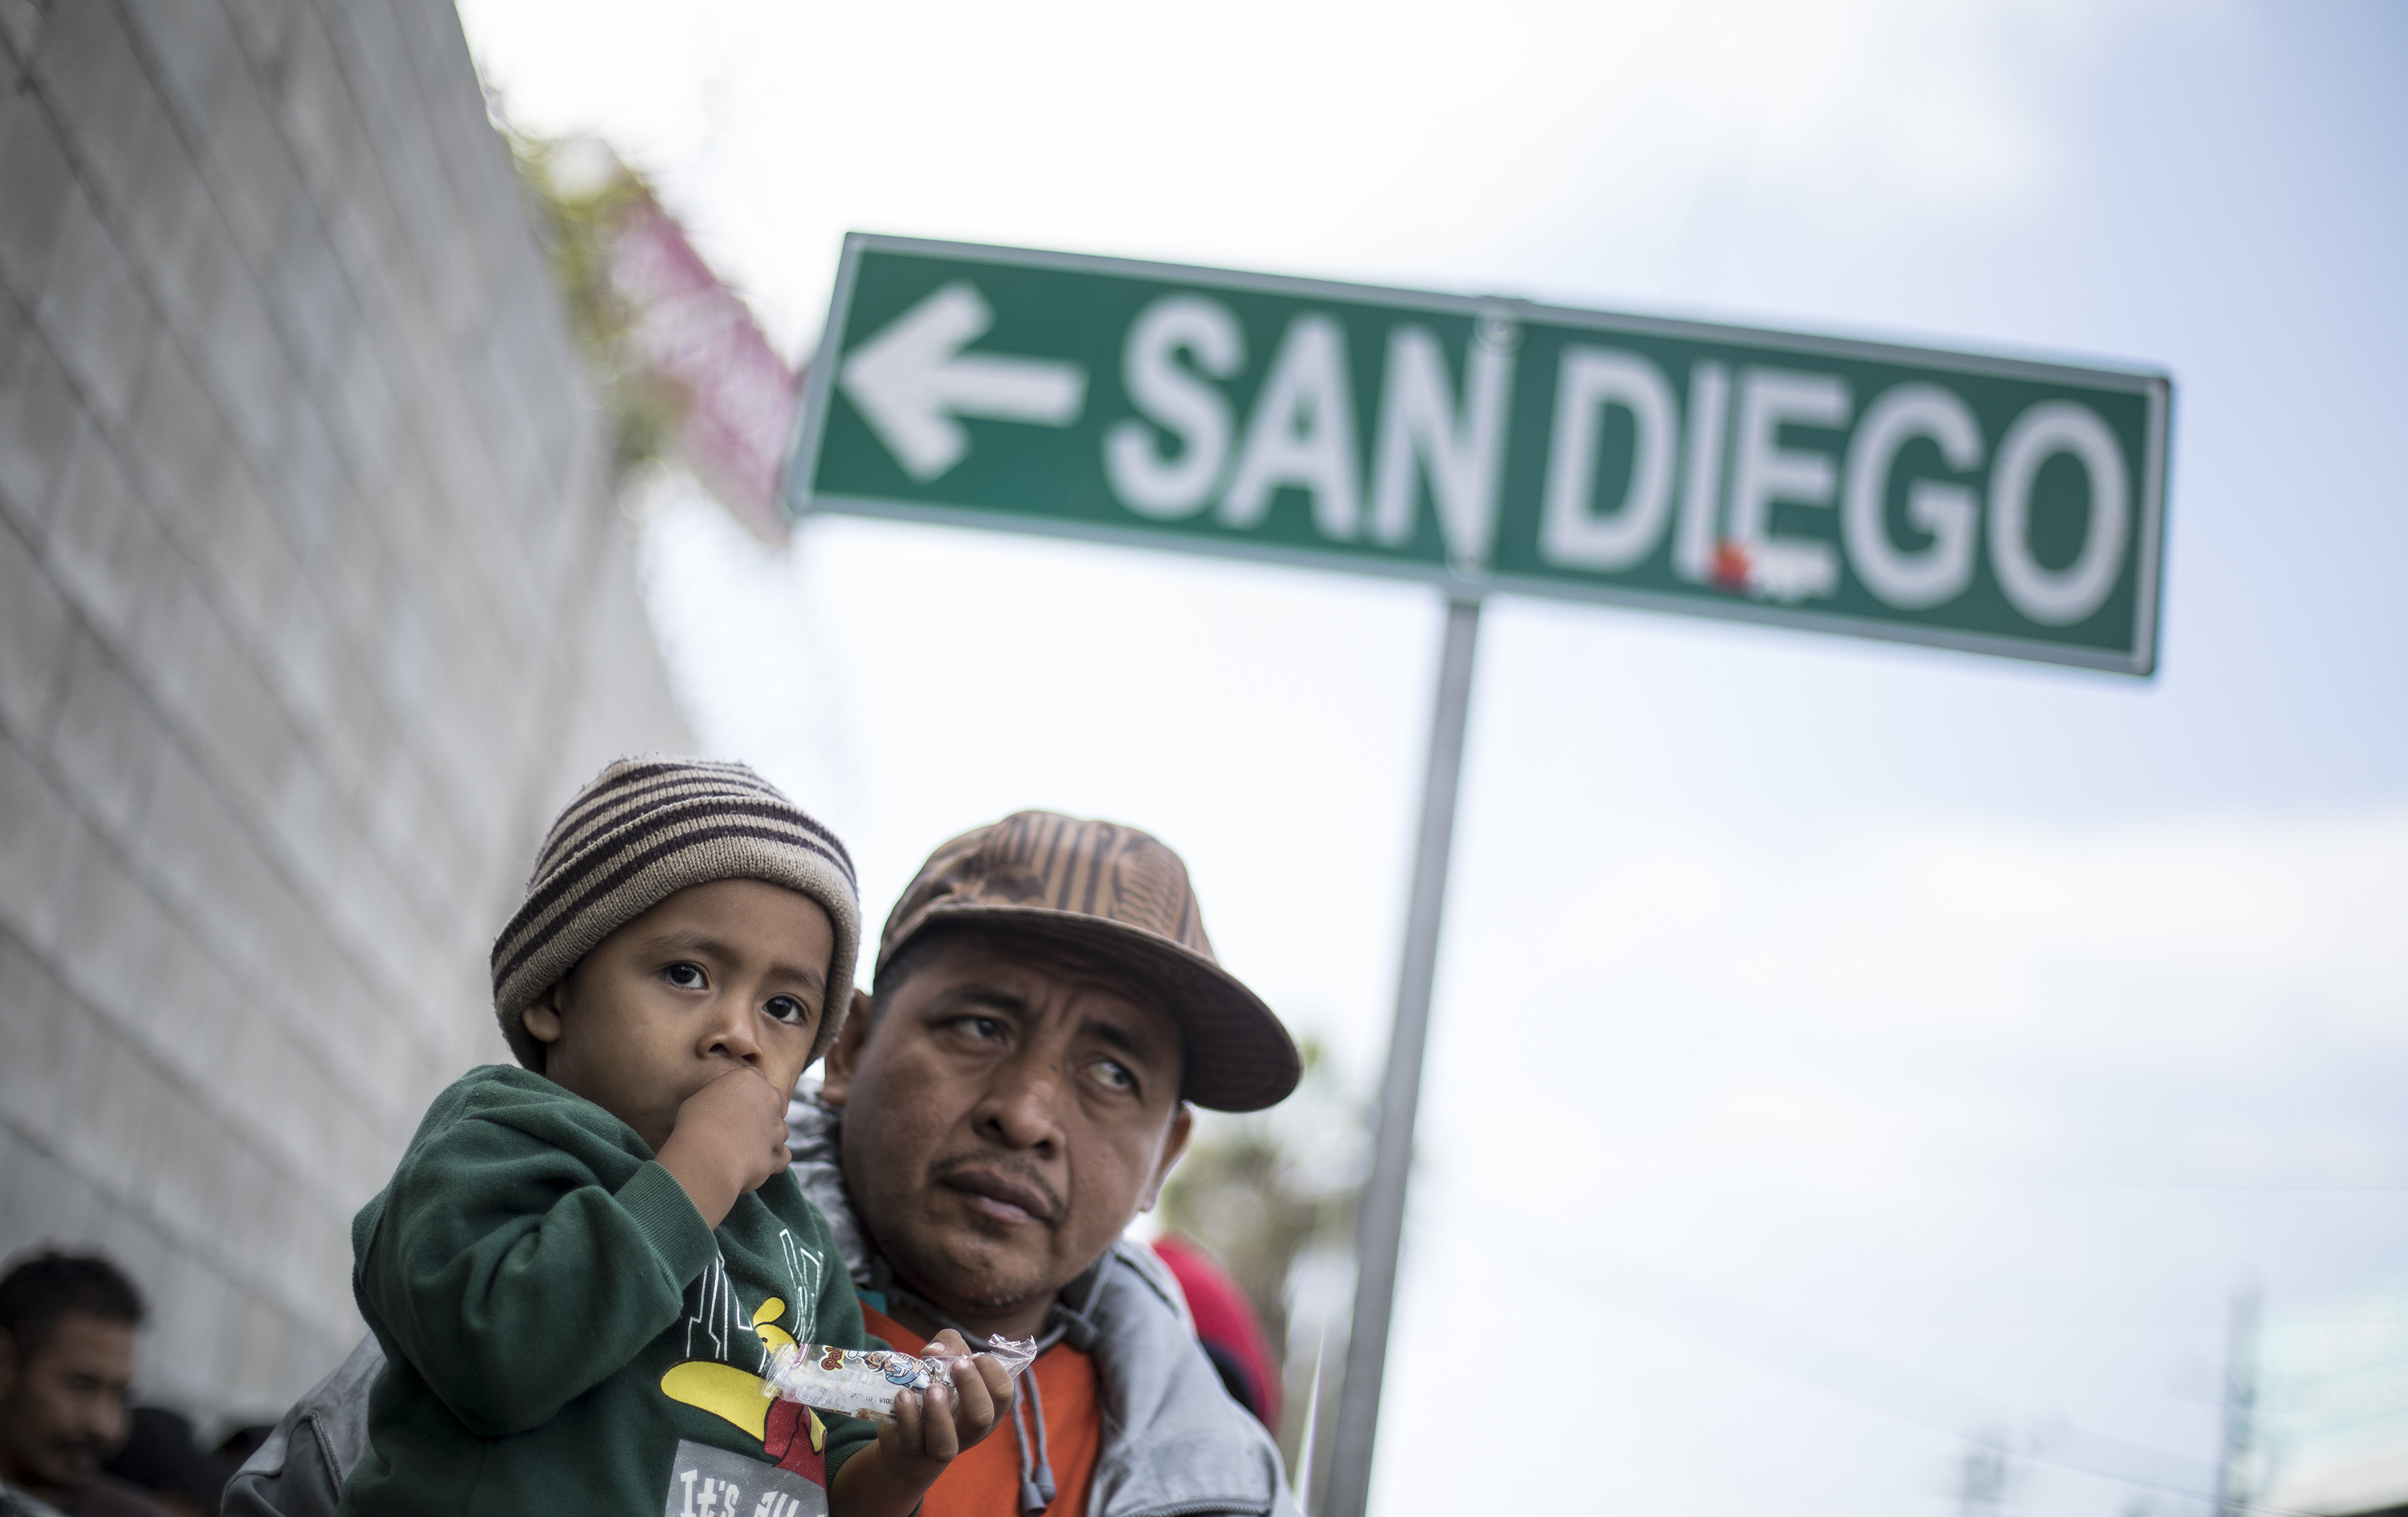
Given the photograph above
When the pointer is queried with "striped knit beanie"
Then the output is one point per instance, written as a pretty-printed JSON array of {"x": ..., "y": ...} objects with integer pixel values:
[{"x": 644, "y": 829}]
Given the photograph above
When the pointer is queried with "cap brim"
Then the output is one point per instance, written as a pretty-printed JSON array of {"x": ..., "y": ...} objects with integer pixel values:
[{"x": 1239, "y": 1057}]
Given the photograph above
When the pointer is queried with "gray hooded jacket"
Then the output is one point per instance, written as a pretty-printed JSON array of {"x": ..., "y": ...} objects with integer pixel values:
[{"x": 1174, "y": 1443}]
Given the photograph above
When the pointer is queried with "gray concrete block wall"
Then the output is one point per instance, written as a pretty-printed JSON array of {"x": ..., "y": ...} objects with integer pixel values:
[{"x": 314, "y": 604}]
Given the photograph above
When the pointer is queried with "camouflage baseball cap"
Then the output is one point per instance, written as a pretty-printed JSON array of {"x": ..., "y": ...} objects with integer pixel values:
[{"x": 1117, "y": 893}]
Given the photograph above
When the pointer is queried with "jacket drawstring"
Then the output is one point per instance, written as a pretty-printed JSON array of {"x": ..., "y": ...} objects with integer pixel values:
[{"x": 1035, "y": 1475}]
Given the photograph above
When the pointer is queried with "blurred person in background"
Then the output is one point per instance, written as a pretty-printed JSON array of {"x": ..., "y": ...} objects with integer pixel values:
[
  {"x": 1046, "y": 1007},
  {"x": 66, "y": 1361},
  {"x": 1226, "y": 1326}
]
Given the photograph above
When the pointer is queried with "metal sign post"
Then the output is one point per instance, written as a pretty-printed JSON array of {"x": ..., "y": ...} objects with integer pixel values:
[{"x": 1380, "y": 1223}]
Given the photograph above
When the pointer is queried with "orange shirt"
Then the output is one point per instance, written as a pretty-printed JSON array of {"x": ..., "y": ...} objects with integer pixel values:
[{"x": 986, "y": 1481}]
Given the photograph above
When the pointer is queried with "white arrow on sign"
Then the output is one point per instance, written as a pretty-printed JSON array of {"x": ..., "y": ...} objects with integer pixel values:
[{"x": 912, "y": 380}]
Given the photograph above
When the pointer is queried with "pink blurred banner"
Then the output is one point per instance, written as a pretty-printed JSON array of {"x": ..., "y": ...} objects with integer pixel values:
[{"x": 697, "y": 335}]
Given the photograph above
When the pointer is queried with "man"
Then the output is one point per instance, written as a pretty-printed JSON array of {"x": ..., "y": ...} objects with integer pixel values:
[
  {"x": 1046, "y": 1008},
  {"x": 67, "y": 1360}
]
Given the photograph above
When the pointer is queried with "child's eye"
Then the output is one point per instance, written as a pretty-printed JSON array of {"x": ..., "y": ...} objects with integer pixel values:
[
  {"x": 686, "y": 977},
  {"x": 786, "y": 1008}
]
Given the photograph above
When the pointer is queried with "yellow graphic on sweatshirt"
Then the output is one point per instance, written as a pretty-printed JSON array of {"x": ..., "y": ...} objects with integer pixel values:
[
  {"x": 747, "y": 1401},
  {"x": 728, "y": 1391},
  {"x": 765, "y": 1326}
]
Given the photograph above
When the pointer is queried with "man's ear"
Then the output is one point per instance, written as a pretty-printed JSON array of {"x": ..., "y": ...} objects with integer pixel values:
[
  {"x": 541, "y": 1018},
  {"x": 835, "y": 1072},
  {"x": 1183, "y": 1127}
]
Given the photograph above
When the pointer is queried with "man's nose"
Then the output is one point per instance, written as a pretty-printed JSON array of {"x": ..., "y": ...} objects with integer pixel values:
[
  {"x": 1019, "y": 1106},
  {"x": 105, "y": 1420}
]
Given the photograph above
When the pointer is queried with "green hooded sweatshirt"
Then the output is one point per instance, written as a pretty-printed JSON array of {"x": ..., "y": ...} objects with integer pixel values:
[{"x": 562, "y": 1334}]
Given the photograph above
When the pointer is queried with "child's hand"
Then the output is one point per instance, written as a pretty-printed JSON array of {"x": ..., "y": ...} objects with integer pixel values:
[
  {"x": 729, "y": 1140},
  {"x": 930, "y": 1429},
  {"x": 948, "y": 1419}
]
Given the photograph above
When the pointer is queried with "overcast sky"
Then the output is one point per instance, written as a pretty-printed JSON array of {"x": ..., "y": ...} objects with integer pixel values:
[{"x": 1849, "y": 1048}]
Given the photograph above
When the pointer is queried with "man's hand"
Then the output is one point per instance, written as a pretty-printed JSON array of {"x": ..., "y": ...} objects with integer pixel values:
[
  {"x": 729, "y": 1140},
  {"x": 929, "y": 1430}
]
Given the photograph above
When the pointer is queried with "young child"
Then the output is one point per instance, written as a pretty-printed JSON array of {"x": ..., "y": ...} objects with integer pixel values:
[{"x": 581, "y": 1267}]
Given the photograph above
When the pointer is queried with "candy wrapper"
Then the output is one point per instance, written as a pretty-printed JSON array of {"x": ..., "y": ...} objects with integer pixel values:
[{"x": 864, "y": 1382}]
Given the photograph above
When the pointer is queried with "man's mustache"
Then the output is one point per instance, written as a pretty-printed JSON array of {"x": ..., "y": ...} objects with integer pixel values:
[
  {"x": 87, "y": 1449},
  {"x": 1055, "y": 1205}
]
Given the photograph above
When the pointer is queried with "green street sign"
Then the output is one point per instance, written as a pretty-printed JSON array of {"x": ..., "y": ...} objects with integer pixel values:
[{"x": 1989, "y": 504}]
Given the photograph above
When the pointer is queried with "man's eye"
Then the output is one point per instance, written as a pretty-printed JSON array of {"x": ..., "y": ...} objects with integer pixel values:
[
  {"x": 686, "y": 977},
  {"x": 985, "y": 1029},
  {"x": 786, "y": 1008},
  {"x": 1114, "y": 1077}
]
